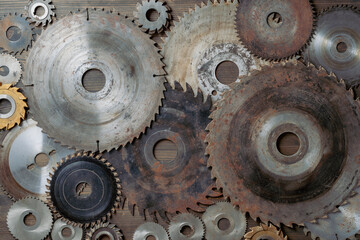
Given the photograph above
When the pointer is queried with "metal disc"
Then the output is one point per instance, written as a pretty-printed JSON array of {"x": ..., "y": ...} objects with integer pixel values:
[
  {"x": 21, "y": 147},
  {"x": 224, "y": 210},
  {"x": 46, "y": 17},
  {"x": 59, "y": 226},
  {"x": 265, "y": 232},
  {"x": 250, "y": 120},
  {"x": 274, "y": 29},
  {"x": 186, "y": 220},
  {"x": 99, "y": 231},
  {"x": 12, "y": 70},
  {"x": 17, "y": 213},
  {"x": 152, "y": 26},
  {"x": 148, "y": 229},
  {"x": 131, "y": 93},
  {"x": 336, "y": 44}
]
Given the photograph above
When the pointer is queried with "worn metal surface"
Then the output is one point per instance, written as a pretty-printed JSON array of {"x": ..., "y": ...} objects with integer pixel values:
[
  {"x": 224, "y": 210},
  {"x": 17, "y": 213},
  {"x": 158, "y": 25},
  {"x": 69, "y": 181},
  {"x": 103, "y": 231},
  {"x": 57, "y": 231},
  {"x": 342, "y": 224},
  {"x": 242, "y": 143},
  {"x": 274, "y": 29},
  {"x": 195, "y": 33},
  {"x": 213, "y": 57},
  {"x": 186, "y": 220},
  {"x": 126, "y": 104},
  {"x": 178, "y": 184},
  {"x": 148, "y": 229},
  {"x": 20, "y": 175},
  {"x": 18, "y": 39},
  {"x": 265, "y": 232},
  {"x": 18, "y": 106},
  {"x": 336, "y": 43},
  {"x": 43, "y": 19},
  {"x": 14, "y": 70}
]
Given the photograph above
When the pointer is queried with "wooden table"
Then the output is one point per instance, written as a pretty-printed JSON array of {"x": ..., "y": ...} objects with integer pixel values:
[{"x": 123, "y": 218}]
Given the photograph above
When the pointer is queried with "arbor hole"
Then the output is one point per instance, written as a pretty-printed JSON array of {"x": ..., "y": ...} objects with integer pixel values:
[
  {"x": 93, "y": 80},
  {"x": 83, "y": 190},
  {"x": 274, "y": 20},
  {"x": 104, "y": 237},
  {"x": 66, "y": 232},
  {"x": 39, "y": 11},
  {"x": 29, "y": 220},
  {"x": 187, "y": 231},
  {"x": 341, "y": 47},
  {"x": 152, "y": 15},
  {"x": 288, "y": 143},
  {"x": 13, "y": 33},
  {"x": 151, "y": 237},
  {"x": 4, "y": 71},
  {"x": 42, "y": 160},
  {"x": 227, "y": 72},
  {"x": 165, "y": 150},
  {"x": 5, "y": 106},
  {"x": 224, "y": 224}
]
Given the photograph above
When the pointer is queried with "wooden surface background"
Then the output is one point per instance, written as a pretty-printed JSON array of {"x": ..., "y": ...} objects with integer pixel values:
[{"x": 124, "y": 220}]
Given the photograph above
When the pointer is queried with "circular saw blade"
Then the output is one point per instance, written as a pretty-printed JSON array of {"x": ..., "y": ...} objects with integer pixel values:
[
  {"x": 14, "y": 69},
  {"x": 336, "y": 44},
  {"x": 196, "y": 32},
  {"x": 246, "y": 127},
  {"x": 129, "y": 99},
  {"x": 18, "y": 155},
  {"x": 186, "y": 220},
  {"x": 344, "y": 223}
]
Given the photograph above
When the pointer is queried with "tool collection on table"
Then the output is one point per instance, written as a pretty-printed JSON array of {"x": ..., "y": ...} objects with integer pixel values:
[{"x": 297, "y": 71}]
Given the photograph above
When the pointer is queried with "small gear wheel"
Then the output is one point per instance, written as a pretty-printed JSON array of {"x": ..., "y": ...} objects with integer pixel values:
[
  {"x": 45, "y": 16},
  {"x": 103, "y": 230},
  {"x": 57, "y": 233},
  {"x": 20, "y": 210},
  {"x": 150, "y": 229},
  {"x": 92, "y": 190},
  {"x": 10, "y": 69},
  {"x": 16, "y": 34},
  {"x": 186, "y": 220},
  {"x": 265, "y": 232},
  {"x": 144, "y": 11},
  {"x": 17, "y": 102}
]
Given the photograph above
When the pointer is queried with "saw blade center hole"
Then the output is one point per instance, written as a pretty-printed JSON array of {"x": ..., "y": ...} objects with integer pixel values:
[
  {"x": 227, "y": 72},
  {"x": 274, "y": 20},
  {"x": 29, "y": 220},
  {"x": 341, "y": 47},
  {"x": 83, "y": 190},
  {"x": 13, "y": 33},
  {"x": 5, "y": 106},
  {"x": 152, "y": 15},
  {"x": 223, "y": 224},
  {"x": 93, "y": 80},
  {"x": 105, "y": 237},
  {"x": 288, "y": 143},
  {"x": 4, "y": 71},
  {"x": 151, "y": 237},
  {"x": 39, "y": 12},
  {"x": 187, "y": 231},
  {"x": 42, "y": 159},
  {"x": 66, "y": 232},
  {"x": 165, "y": 150}
]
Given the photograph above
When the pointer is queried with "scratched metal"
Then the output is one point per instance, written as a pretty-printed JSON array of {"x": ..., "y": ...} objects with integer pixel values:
[
  {"x": 173, "y": 185},
  {"x": 252, "y": 171},
  {"x": 122, "y": 109},
  {"x": 271, "y": 36}
]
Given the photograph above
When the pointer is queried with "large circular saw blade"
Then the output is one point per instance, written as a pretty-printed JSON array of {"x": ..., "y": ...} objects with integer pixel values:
[
  {"x": 336, "y": 44},
  {"x": 86, "y": 119},
  {"x": 253, "y": 117}
]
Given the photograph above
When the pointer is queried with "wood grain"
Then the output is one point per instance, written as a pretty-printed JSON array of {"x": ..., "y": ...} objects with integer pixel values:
[{"x": 123, "y": 218}]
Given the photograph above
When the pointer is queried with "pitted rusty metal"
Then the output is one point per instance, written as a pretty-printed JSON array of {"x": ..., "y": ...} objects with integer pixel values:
[
  {"x": 178, "y": 184},
  {"x": 251, "y": 169},
  {"x": 274, "y": 29}
]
